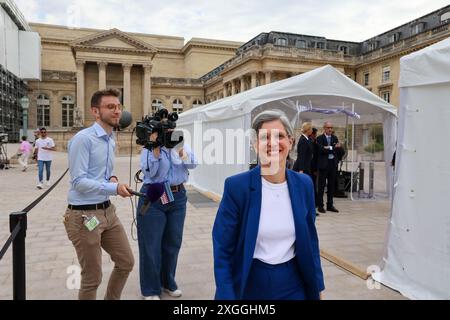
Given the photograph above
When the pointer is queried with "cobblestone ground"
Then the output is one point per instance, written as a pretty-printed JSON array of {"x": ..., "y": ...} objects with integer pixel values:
[{"x": 356, "y": 235}]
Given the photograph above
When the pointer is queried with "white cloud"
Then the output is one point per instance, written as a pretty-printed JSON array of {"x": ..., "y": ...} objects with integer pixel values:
[{"x": 352, "y": 20}]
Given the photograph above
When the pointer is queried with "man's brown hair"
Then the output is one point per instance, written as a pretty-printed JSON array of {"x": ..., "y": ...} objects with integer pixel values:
[{"x": 97, "y": 96}]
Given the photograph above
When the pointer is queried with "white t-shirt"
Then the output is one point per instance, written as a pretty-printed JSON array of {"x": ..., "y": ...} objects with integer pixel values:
[
  {"x": 275, "y": 242},
  {"x": 44, "y": 155}
]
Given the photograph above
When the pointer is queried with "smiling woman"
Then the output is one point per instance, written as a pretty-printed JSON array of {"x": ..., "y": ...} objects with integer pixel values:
[{"x": 264, "y": 228}]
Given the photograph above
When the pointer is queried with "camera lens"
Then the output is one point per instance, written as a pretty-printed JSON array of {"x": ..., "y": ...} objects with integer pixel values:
[{"x": 173, "y": 116}]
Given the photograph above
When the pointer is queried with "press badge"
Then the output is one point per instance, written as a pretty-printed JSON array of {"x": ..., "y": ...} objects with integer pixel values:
[{"x": 91, "y": 223}]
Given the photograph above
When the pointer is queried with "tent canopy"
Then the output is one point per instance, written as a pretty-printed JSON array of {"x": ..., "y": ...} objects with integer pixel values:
[
  {"x": 324, "y": 87},
  {"x": 427, "y": 66},
  {"x": 309, "y": 96}
]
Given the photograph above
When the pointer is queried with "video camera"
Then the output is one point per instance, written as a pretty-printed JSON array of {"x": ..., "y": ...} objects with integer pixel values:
[{"x": 164, "y": 124}]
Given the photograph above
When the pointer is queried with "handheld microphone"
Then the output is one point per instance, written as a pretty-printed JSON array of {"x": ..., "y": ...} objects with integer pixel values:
[
  {"x": 136, "y": 193},
  {"x": 125, "y": 119}
]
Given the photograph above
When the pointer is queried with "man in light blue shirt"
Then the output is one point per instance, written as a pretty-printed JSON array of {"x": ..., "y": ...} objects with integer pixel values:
[
  {"x": 90, "y": 220},
  {"x": 160, "y": 223}
]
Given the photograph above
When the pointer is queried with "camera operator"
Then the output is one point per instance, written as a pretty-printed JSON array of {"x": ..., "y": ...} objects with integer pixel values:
[
  {"x": 160, "y": 223},
  {"x": 91, "y": 222}
]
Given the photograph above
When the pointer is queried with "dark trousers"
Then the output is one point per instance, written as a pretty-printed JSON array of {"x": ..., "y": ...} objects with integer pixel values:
[
  {"x": 274, "y": 282},
  {"x": 328, "y": 175},
  {"x": 314, "y": 180}
]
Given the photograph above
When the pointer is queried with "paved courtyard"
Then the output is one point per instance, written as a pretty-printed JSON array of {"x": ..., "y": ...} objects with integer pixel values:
[{"x": 355, "y": 235}]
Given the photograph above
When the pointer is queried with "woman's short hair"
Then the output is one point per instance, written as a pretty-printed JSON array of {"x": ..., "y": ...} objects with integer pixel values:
[
  {"x": 306, "y": 126},
  {"x": 272, "y": 115}
]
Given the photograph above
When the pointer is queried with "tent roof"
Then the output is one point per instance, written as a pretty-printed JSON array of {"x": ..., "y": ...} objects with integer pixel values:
[
  {"x": 324, "y": 87},
  {"x": 427, "y": 66}
]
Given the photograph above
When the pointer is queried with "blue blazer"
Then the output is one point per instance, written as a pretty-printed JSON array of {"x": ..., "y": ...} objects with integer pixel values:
[{"x": 236, "y": 228}]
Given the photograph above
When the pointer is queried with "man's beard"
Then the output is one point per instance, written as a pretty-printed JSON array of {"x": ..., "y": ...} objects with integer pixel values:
[{"x": 109, "y": 122}]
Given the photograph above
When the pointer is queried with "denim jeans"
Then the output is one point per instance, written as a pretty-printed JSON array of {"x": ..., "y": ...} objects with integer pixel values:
[
  {"x": 41, "y": 169},
  {"x": 160, "y": 233}
]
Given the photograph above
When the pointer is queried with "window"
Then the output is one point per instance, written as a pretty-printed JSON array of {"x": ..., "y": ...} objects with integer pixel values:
[
  {"x": 281, "y": 42},
  {"x": 365, "y": 137},
  {"x": 386, "y": 74},
  {"x": 177, "y": 106},
  {"x": 393, "y": 37},
  {"x": 445, "y": 17},
  {"x": 43, "y": 111},
  {"x": 68, "y": 106},
  {"x": 386, "y": 95},
  {"x": 320, "y": 45},
  {"x": 344, "y": 49},
  {"x": 418, "y": 28},
  {"x": 197, "y": 103},
  {"x": 300, "y": 44},
  {"x": 366, "y": 78},
  {"x": 156, "y": 105},
  {"x": 373, "y": 45}
]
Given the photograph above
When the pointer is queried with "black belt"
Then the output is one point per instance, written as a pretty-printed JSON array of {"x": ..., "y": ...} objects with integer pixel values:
[
  {"x": 177, "y": 188},
  {"x": 103, "y": 205}
]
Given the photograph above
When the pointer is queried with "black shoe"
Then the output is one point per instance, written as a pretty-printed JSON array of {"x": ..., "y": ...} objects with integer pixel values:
[
  {"x": 332, "y": 209},
  {"x": 321, "y": 210}
]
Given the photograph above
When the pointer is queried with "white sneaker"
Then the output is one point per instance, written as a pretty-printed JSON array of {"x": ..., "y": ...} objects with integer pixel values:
[
  {"x": 47, "y": 183},
  {"x": 40, "y": 185},
  {"x": 151, "y": 298},
  {"x": 176, "y": 294}
]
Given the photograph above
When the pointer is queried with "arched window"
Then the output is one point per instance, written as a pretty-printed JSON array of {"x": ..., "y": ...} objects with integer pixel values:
[
  {"x": 197, "y": 103},
  {"x": 445, "y": 17},
  {"x": 177, "y": 106},
  {"x": 344, "y": 49},
  {"x": 43, "y": 111},
  {"x": 156, "y": 105},
  {"x": 281, "y": 42},
  {"x": 68, "y": 106},
  {"x": 300, "y": 44}
]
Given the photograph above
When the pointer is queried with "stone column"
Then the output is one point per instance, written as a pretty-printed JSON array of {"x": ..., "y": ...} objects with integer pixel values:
[
  {"x": 80, "y": 91},
  {"x": 225, "y": 90},
  {"x": 127, "y": 86},
  {"x": 268, "y": 75},
  {"x": 233, "y": 87},
  {"x": 242, "y": 84},
  {"x": 147, "y": 89},
  {"x": 253, "y": 80},
  {"x": 102, "y": 74}
]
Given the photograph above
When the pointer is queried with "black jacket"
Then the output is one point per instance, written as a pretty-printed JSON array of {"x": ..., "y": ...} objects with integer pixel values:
[
  {"x": 304, "y": 155},
  {"x": 322, "y": 158}
]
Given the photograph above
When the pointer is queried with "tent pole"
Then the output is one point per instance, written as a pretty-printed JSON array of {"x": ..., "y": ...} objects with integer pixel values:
[
  {"x": 353, "y": 153},
  {"x": 346, "y": 141}
]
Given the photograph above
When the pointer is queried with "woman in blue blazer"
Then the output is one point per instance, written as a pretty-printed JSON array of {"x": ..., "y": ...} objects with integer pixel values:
[{"x": 264, "y": 236}]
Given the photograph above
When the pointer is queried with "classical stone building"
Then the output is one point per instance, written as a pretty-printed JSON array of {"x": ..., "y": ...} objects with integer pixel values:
[{"x": 153, "y": 70}]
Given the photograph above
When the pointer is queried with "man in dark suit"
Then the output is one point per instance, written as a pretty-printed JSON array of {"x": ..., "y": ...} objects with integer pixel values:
[
  {"x": 314, "y": 170},
  {"x": 304, "y": 151},
  {"x": 327, "y": 161}
]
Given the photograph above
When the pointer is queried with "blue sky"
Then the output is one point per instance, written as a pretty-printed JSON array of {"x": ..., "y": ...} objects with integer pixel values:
[{"x": 236, "y": 20}]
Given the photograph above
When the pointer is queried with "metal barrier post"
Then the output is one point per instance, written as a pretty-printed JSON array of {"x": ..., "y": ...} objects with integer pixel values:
[
  {"x": 18, "y": 247},
  {"x": 371, "y": 176},
  {"x": 361, "y": 179}
]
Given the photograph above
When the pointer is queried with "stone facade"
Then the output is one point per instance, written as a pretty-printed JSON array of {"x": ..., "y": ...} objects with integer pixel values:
[{"x": 163, "y": 70}]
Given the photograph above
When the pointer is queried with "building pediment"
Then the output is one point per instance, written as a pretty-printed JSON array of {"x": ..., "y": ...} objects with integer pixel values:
[{"x": 112, "y": 40}]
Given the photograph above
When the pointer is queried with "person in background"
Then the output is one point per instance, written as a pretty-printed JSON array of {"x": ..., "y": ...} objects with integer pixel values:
[
  {"x": 25, "y": 151},
  {"x": 304, "y": 151},
  {"x": 265, "y": 241},
  {"x": 327, "y": 161},
  {"x": 44, "y": 146},
  {"x": 314, "y": 173}
]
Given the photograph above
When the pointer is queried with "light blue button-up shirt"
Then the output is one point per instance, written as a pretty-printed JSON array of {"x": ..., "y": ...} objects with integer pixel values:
[
  {"x": 91, "y": 163},
  {"x": 168, "y": 167}
]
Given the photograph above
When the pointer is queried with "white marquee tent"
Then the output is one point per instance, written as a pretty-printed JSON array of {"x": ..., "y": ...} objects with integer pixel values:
[
  {"x": 417, "y": 259},
  {"x": 323, "y": 93}
]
